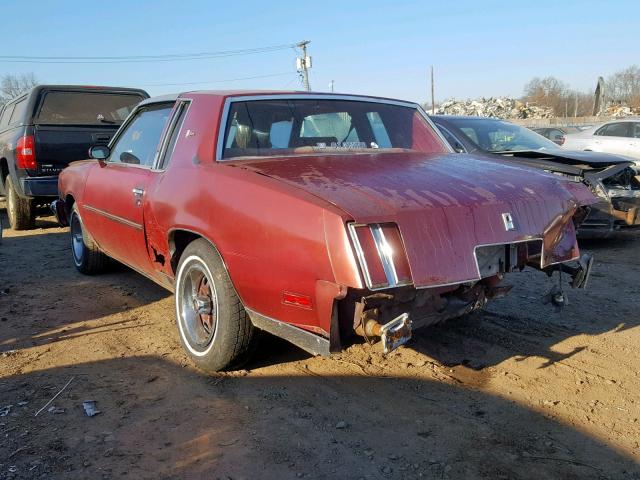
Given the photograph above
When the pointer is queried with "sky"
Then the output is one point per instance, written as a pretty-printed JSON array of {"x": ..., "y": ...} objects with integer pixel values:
[{"x": 371, "y": 47}]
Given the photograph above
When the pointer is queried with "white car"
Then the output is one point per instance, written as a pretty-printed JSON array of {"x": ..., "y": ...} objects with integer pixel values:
[{"x": 621, "y": 137}]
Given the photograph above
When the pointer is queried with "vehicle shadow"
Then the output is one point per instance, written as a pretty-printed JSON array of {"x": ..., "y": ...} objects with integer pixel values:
[
  {"x": 43, "y": 299},
  {"x": 159, "y": 420}
]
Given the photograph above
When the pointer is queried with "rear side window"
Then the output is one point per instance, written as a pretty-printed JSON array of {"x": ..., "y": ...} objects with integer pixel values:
[
  {"x": 6, "y": 114},
  {"x": 86, "y": 108},
  {"x": 620, "y": 129},
  {"x": 18, "y": 112},
  {"x": 174, "y": 131}
]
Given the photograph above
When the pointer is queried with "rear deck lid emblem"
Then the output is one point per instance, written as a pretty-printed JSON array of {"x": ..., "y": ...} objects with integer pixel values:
[{"x": 507, "y": 219}]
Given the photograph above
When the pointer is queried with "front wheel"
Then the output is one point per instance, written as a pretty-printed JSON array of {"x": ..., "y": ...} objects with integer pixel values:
[
  {"x": 19, "y": 210},
  {"x": 214, "y": 327},
  {"x": 87, "y": 257}
]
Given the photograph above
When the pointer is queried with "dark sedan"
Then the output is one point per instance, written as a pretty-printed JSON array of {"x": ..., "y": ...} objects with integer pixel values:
[{"x": 612, "y": 178}]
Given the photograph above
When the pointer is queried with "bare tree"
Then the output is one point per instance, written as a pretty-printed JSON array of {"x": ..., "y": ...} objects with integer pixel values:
[
  {"x": 13, "y": 85},
  {"x": 548, "y": 92},
  {"x": 624, "y": 86}
]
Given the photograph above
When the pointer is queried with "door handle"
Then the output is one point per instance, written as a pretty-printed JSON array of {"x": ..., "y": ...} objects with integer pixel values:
[{"x": 137, "y": 194}]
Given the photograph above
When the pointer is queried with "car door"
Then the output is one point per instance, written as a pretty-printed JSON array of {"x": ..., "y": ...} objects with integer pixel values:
[
  {"x": 634, "y": 143},
  {"x": 112, "y": 207},
  {"x": 613, "y": 138}
]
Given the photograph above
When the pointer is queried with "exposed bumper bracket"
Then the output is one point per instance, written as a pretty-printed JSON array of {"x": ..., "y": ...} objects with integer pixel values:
[{"x": 395, "y": 333}]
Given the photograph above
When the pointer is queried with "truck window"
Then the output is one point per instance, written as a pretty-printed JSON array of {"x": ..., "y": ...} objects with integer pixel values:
[
  {"x": 6, "y": 113},
  {"x": 86, "y": 108},
  {"x": 19, "y": 110}
]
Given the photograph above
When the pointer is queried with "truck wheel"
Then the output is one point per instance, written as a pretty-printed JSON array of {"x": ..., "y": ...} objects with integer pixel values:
[
  {"x": 19, "y": 210},
  {"x": 214, "y": 327},
  {"x": 87, "y": 257}
]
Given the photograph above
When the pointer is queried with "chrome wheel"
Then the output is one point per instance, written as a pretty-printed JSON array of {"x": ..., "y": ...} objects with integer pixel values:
[
  {"x": 197, "y": 305},
  {"x": 77, "y": 239}
]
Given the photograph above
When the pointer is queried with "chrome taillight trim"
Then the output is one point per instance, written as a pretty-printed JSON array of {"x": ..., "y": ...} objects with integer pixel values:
[{"x": 384, "y": 252}]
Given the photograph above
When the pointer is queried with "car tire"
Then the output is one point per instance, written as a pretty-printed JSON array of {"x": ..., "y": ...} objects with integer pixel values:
[
  {"x": 87, "y": 257},
  {"x": 20, "y": 210},
  {"x": 214, "y": 327}
]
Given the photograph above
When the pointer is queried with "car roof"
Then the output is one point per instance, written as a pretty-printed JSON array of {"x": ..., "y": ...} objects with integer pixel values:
[
  {"x": 467, "y": 117},
  {"x": 170, "y": 97},
  {"x": 261, "y": 93}
]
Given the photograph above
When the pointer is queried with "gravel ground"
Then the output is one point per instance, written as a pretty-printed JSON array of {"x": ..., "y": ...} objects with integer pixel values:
[{"x": 519, "y": 391}]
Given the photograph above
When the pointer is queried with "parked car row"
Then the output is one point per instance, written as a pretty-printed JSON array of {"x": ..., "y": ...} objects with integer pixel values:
[{"x": 321, "y": 217}]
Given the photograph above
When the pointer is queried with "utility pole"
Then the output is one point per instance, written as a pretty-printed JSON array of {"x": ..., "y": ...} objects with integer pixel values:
[
  {"x": 331, "y": 85},
  {"x": 433, "y": 101},
  {"x": 304, "y": 64}
]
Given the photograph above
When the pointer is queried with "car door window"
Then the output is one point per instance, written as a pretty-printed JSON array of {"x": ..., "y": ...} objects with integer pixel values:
[
  {"x": 618, "y": 129},
  {"x": 138, "y": 143},
  {"x": 636, "y": 130},
  {"x": 453, "y": 141}
]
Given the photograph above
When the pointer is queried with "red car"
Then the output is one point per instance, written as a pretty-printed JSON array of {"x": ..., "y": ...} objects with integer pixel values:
[{"x": 311, "y": 216}]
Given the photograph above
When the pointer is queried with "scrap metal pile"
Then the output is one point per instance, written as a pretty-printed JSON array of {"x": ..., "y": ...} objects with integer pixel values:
[
  {"x": 621, "y": 110},
  {"x": 499, "y": 107}
]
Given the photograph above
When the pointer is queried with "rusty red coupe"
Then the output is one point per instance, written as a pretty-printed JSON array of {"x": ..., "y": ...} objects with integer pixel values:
[{"x": 315, "y": 217}]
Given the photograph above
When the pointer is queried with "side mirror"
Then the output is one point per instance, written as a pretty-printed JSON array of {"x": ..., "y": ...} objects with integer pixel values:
[{"x": 99, "y": 152}]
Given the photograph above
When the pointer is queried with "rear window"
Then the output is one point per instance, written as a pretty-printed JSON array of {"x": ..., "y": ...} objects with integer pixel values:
[
  {"x": 86, "y": 108},
  {"x": 305, "y": 126}
]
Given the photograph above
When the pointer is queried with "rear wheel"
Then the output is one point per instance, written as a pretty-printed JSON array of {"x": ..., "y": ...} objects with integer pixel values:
[
  {"x": 214, "y": 327},
  {"x": 19, "y": 210},
  {"x": 87, "y": 257}
]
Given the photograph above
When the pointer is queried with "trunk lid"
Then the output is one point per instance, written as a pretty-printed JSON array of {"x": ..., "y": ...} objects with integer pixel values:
[{"x": 444, "y": 204}]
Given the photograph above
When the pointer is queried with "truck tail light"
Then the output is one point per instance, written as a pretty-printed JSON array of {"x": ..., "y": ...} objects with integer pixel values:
[
  {"x": 26, "y": 153},
  {"x": 381, "y": 255}
]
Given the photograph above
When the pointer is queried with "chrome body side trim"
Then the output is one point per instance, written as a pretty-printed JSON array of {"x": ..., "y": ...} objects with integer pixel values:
[
  {"x": 307, "y": 341},
  {"x": 315, "y": 96},
  {"x": 113, "y": 217}
]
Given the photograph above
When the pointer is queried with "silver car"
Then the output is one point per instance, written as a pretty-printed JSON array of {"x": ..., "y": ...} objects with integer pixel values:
[{"x": 621, "y": 137}]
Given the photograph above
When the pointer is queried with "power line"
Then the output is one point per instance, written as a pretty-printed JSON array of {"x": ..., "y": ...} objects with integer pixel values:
[
  {"x": 217, "y": 81},
  {"x": 144, "y": 58}
]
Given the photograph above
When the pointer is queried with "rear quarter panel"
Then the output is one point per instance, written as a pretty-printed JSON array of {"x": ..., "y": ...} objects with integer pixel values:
[{"x": 272, "y": 237}]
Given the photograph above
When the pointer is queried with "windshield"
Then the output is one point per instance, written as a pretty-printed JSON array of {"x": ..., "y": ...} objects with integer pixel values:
[
  {"x": 86, "y": 108},
  {"x": 499, "y": 136},
  {"x": 304, "y": 126}
]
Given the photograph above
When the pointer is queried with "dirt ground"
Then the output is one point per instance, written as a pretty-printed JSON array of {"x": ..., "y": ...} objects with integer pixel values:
[{"x": 519, "y": 391}]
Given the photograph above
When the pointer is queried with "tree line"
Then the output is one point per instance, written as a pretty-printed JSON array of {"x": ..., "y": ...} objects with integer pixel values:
[
  {"x": 13, "y": 85},
  {"x": 621, "y": 88}
]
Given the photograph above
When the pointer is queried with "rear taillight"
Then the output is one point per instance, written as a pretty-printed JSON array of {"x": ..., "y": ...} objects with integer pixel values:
[
  {"x": 381, "y": 255},
  {"x": 26, "y": 153}
]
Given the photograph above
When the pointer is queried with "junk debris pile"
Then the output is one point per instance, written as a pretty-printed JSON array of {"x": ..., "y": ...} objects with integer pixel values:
[
  {"x": 498, "y": 107},
  {"x": 621, "y": 110}
]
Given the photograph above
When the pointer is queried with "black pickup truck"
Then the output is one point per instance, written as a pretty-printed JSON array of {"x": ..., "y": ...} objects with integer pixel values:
[{"x": 45, "y": 129}]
